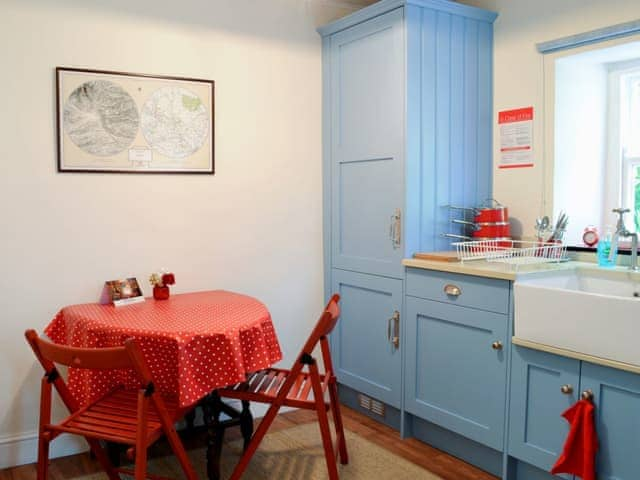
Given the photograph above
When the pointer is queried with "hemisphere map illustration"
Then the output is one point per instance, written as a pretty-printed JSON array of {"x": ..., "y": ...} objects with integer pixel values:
[{"x": 102, "y": 119}]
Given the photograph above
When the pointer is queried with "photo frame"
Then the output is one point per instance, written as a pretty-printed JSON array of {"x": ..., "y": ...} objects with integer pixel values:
[
  {"x": 123, "y": 122},
  {"x": 121, "y": 292}
]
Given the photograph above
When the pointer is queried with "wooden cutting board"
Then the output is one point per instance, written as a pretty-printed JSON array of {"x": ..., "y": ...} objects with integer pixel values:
[{"x": 438, "y": 256}]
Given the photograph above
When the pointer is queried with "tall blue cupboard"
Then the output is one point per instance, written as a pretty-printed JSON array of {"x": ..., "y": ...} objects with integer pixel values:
[{"x": 407, "y": 106}]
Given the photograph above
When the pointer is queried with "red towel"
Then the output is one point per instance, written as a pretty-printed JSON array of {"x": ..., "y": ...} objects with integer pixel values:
[{"x": 579, "y": 453}]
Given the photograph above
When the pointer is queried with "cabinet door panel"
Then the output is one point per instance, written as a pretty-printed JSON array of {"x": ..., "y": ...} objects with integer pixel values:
[
  {"x": 367, "y": 129},
  {"x": 617, "y": 401},
  {"x": 536, "y": 430},
  {"x": 454, "y": 377},
  {"x": 364, "y": 358}
]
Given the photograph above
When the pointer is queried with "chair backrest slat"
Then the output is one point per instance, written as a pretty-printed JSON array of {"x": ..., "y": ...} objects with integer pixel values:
[{"x": 92, "y": 358}]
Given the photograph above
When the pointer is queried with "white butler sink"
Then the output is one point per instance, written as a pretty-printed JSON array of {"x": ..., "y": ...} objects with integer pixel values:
[{"x": 587, "y": 310}]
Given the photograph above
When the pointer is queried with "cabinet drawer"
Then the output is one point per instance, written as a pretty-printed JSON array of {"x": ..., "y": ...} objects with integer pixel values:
[{"x": 466, "y": 290}]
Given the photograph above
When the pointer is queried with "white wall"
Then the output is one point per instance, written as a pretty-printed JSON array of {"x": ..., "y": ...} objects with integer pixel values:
[
  {"x": 254, "y": 227},
  {"x": 518, "y": 79}
]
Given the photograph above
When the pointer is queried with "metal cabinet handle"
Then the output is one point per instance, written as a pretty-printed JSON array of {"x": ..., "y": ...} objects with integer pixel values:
[
  {"x": 395, "y": 229},
  {"x": 497, "y": 345},
  {"x": 587, "y": 395},
  {"x": 394, "y": 337},
  {"x": 566, "y": 389},
  {"x": 452, "y": 290}
]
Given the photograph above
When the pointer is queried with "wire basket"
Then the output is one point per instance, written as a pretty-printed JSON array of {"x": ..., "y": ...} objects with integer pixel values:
[{"x": 514, "y": 252}]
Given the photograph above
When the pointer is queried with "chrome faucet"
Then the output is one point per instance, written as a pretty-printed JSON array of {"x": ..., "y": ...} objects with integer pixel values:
[{"x": 621, "y": 231}]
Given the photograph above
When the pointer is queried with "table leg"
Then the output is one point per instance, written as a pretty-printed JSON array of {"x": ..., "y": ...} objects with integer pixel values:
[
  {"x": 246, "y": 423},
  {"x": 190, "y": 418},
  {"x": 212, "y": 407},
  {"x": 114, "y": 451}
]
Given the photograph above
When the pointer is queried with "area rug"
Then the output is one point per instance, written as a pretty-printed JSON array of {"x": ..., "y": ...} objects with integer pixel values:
[{"x": 296, "y": 454}]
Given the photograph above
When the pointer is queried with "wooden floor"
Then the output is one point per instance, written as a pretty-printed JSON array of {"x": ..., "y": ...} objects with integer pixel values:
[{"x": 438, "y": 462}]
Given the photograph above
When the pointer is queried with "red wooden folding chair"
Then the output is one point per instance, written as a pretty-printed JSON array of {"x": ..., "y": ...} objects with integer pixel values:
[
  {"x": 128, "y": 417},
  {"x": 300, "y": 389}
]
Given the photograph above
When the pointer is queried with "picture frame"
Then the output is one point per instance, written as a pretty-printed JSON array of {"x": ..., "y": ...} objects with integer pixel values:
[
  {"x": 121, "y": 292},
  {"x": 121, "y": 122}
]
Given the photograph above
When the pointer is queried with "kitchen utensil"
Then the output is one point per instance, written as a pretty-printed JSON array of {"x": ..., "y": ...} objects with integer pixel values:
[
  {"x": 459, "y": 237},
  {"x": 542, "y": 224},
  {"x": 494, "y": 213},
  {"x": 558, "y": 230},
  {"x": 492, "y": 230}
]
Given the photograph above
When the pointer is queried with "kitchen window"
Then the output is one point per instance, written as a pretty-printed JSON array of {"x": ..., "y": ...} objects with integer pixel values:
[
  {"x": 625, "y": 85},
  {"x": 592, "y": 134}
]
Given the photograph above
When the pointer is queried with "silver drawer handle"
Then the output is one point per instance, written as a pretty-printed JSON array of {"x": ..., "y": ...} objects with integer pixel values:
[
  {"x": 395, "y": 229},
  {"x": 394, "y": 324},
  {"x": 452, "y": 290}
]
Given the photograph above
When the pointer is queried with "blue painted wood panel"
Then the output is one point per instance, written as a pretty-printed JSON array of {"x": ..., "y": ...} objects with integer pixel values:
[
  {"x": 537, "y": 432},
  {"x": 450, "y": 64},
  {"x": 367, "y": 144},
  {"x": 454, "y": 378},
  {"x": 617, "y": 401},
  {"x": 364, "y": 358}
]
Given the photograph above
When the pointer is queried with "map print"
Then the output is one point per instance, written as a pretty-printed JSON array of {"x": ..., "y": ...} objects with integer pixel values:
[
  {"x": 101, "y": 118},
  {"x": 174, "y": 122}
]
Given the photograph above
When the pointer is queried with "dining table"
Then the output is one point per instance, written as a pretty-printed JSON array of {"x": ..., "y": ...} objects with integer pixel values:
[{"x": 194, "y": 343}]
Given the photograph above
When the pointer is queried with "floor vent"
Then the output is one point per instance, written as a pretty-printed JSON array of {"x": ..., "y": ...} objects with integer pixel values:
[{"x": 371, "y": 405}]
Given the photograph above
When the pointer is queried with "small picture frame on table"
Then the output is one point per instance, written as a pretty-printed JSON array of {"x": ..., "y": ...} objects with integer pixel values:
[{"x": 121, "y": 292}]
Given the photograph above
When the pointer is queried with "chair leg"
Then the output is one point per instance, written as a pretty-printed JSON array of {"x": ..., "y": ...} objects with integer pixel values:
[
  {"x": 141, "y": 464},
  {"x": 43, "y": 455},
  {"x": 180, "y": 453},
  {"x": 259, "y": 434},
  {"x": 323, "y": 423},
  {"x": 337, "y": 421},
  {"x": 141, "y": 437}
]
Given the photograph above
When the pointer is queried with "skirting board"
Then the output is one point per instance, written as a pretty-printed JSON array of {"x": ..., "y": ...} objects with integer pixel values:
[{"x": 22, "y": 448}]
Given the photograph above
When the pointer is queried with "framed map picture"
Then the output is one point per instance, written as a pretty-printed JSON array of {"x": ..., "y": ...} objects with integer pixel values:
[{"x": 133, "y": 123}]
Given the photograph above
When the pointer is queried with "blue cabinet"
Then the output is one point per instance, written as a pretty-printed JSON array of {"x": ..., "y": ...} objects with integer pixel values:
[
  {"x": 367, "y": 151},
  {"x": 545, "y": 385},
  {"x": 407, "y": 111},
  {"x": 366, "y": 356},
  {"x": 456, "y": 356},
  {"x": 617, "y": 400}
]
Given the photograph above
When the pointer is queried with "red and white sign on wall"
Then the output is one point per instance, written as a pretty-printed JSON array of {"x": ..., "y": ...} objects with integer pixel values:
[{"x": 516, "y": 138}]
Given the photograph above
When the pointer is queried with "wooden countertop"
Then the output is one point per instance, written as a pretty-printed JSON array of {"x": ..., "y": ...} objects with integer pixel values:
[{"x": 482, "y": 268}]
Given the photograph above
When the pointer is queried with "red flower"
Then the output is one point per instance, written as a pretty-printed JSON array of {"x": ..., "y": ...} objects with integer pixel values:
[{"x": 168, "y": 279}]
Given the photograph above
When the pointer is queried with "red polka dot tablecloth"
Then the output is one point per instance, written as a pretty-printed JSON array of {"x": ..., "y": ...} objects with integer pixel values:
[{"x": 193, "y": 342}]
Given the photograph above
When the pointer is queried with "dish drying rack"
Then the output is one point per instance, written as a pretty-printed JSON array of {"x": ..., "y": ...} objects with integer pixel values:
[{"x": 513, "y": 252}]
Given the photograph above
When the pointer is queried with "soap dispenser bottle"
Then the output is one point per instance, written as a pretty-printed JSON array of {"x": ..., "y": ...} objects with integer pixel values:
[{"x": 606, "y": 258}]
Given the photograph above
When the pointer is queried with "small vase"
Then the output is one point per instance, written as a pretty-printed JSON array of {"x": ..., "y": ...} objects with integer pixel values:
[{"x": 160, "y": 293}]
